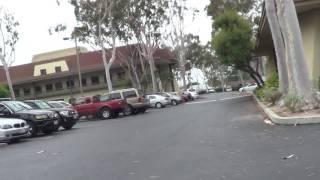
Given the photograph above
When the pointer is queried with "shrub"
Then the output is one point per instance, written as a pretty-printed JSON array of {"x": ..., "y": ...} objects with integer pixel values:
[
  {"x": 294, "y": 103},
  {"x": 272, "y": 81},
  {"x": 260, "y": 93},
  {"x": 272, "y": 95},
  {"x": 4, "y": 91}
]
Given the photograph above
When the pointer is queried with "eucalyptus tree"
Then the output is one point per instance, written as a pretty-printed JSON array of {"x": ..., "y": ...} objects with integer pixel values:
[
  {"x": 8, "y": 39},
  {"x": 102, "y": 23}
]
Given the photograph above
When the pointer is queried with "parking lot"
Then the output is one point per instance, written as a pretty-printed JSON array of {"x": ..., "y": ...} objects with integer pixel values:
[{"x": 220, "y": 136}]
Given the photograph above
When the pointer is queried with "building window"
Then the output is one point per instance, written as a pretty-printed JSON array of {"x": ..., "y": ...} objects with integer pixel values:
[
  {"x": 49, "y": 87},
  {"x": 70, "y": 84},
  {"x": 26, "y": 91},
  {"x": 84, "y": 82},
  {"x": 43, "y": 72},
  {"x": 17, "y": 92},
  {"x": 95, "y": 80},
  {"x": 58, "y": 69},
  {"x": 38, "y": 89},
  {"x": 58, "y": 86}
]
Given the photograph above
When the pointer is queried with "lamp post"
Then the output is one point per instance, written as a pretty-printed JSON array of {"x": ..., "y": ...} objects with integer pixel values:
[{"x": 78, "y": 62}]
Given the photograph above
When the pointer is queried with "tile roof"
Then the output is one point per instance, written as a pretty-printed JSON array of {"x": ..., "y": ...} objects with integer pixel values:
[{"x": 89, "y": 61}]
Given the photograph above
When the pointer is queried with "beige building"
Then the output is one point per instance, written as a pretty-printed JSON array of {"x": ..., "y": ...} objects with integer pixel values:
[
  {"x": 54, "y": 75},
  {"x": 309, "y": 20}
]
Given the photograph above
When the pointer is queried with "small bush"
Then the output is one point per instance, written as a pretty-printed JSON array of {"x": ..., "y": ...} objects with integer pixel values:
[
  {"x": 272, "y": 95},
  {"x": 4, "y": 91},
  {"x": 259, "y": 93},
  {"x": 294, "y": 103},
  {"x": 272, "y": 81}
]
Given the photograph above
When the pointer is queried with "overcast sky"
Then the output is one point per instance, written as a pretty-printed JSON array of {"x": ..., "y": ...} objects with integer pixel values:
[{"x": 37, "y": 16}]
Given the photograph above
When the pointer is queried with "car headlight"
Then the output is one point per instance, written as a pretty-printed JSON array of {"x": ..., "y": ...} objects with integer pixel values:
[
  {"x": 64, "y": 113},
  {"x": 41, "y": 116},
  {"x": 6, "y": 126}
]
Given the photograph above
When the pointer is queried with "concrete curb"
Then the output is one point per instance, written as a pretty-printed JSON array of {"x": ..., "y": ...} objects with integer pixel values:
[{"x": 275, "y": 118}]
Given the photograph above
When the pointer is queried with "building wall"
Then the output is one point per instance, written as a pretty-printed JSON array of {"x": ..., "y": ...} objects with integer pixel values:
[
  {"x": 119, "y": 79},
  {"x": 57, "y": 54},
  {"x": 310, "y": 30}
]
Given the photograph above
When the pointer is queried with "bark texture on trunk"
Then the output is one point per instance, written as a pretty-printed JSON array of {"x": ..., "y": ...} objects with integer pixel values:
[
  {"x": 296, "y": 61},
  {"x": 278, "y": 41},
  {"x": 153, "y": 76}
]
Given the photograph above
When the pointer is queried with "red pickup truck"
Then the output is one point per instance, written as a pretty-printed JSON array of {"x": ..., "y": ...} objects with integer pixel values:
[{"x": 100, "y": 106}]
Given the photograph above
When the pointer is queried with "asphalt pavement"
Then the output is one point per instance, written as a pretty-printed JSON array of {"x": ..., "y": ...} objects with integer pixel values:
[{"x": 220, "y": 136}]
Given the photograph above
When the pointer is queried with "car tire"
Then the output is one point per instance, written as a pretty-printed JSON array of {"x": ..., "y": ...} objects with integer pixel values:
[
  {"x": 158, "y": 105},
  {"x": 174, "y": 102},
  {"x": 33, "y": 130},
  {"x": 128, "y": 110},
  {"x": 105, "y": 113}
]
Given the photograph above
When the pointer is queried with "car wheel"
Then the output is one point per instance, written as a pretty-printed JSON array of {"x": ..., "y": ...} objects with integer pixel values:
[
  {"x": 32, "y": 129},
  {"x": 174, "y": 102},
  {"x": 105, "y": 113},
  {"x": 128, "y": 110},
  {"x": 159, "y": 105}
]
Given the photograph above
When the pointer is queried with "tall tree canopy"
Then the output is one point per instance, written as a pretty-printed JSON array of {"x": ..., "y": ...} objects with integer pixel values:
[{"x": 233, "y": 43}]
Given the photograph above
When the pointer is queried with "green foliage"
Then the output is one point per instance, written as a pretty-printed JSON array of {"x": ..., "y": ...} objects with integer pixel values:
[
  {"x": 272, "y": 95},
  {"x": 294, "y": 103},
  {"x": 217, "y": 7},
  {"x": 272, "y": 81},
  {"x": 260, "y": 93},
  {"x": 233, "y": 41},
  {"x": 4, "y": 91},
  {"x": 270, "y": 92}
]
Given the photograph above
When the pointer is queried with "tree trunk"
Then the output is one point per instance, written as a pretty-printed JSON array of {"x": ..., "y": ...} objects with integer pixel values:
[
  {"x": 294, "y": 45},
  {"x": 221, "y": 79},
  {"x": 152, "y": 71},
  {"x": 6, "y": 69},
  {"x": 278, "y": 42}
]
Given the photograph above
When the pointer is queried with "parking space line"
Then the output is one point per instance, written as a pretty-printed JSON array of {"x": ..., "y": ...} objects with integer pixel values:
[{"x": 224, "y": 99}]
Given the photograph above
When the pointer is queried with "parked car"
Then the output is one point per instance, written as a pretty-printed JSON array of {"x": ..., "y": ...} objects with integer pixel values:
[
  {"x": 158, "y": 101},
  {"x": 175, "y": 99},
  {"x": 60, "y": 104},
  {"x": 104, "y": 107},
  {"x": 67, "y": 117},
  {"x": 12, "y": 129},
  {"x": 249, "y": 88},
  {"x": 134, "y": 98},
  {"x": 193, "y": 93},
  {"x": 38, "y": 120}
]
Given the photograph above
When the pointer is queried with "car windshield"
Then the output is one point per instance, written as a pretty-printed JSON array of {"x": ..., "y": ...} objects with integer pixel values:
[
  {"x": 42, "y": 105},
  {"x": 17, "y": 106}
]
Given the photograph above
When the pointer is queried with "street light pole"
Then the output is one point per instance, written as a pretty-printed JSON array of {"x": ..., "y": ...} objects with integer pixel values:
[
  {"x": 78, "y": 62},
  {"x": 78, "y": 66}
]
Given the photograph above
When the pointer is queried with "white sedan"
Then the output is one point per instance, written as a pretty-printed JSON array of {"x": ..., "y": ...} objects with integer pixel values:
[
  {"x": 13, "y": 129},
  {"x": 158, "y": 101},
  {"x": 249, "y": 88}
]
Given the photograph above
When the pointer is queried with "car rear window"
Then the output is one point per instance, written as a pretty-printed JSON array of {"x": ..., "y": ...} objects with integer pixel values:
[{"x": 129, "y": 94}]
